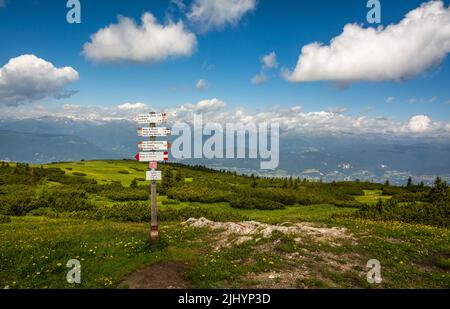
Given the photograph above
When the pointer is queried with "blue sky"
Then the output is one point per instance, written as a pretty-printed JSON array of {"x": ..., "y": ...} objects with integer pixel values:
[{"x": 227, "y": 58}]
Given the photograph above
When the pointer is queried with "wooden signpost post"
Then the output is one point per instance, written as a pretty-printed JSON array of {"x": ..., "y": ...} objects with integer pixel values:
[{"x": 153, "y": 151}]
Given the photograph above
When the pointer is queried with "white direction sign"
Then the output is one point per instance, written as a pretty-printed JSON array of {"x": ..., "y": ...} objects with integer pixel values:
[
  {"x": 152, "y": 156},
  {"x": 153, "y": 175},
  {"x": 156, "y": 131},
  {"x": 151, "y": 118},
  {"x": 153, "y": 145}
]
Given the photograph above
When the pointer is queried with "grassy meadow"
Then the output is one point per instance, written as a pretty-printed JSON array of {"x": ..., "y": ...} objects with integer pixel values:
[{"x": 98, "y": 212}]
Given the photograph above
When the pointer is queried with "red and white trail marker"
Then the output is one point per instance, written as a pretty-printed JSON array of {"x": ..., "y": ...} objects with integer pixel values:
[
  {"x": 153, "y": 145},
  {"x": 151, "y": 118},
  {"x": 152, "y": 156},
  {"x": 153, "y": 131}
]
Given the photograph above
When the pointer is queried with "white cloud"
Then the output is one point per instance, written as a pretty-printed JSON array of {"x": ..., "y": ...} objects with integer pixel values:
[
  {"x": 337, "y": 110},
  {"x": 206, "y": 106},
  {"x": 28, "y": 78},
  {"x": 132, "y": 106},
  {"x": 390, "y": 99},
  {"x": 269, "y": 61},
  {"x": 208, "y": 15},
  {"x": 148, "y": 42},
  {"x": 259, "y": 79},
  {"x": 201, "y": 84},
  {"x": 179, "y": 4},
  {"x": 418, "y": 42},
  {"x": 294, "y": 121},
  {"x": 419, "y": 124}
]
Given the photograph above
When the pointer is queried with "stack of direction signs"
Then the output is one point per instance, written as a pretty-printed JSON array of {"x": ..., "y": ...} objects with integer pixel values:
[{"x": 152, "y": 151}]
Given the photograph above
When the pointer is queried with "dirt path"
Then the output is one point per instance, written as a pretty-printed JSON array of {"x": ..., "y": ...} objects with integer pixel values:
[{"x": 165, "y": 275}]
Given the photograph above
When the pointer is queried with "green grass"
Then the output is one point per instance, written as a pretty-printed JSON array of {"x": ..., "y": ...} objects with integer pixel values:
[
  {"x": 105, "y": 170},
  {"x": 34, "y": 250},
  {"x": 372, "y": 197}
]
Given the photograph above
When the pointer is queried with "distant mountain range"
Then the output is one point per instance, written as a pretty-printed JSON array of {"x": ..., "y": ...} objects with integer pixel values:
[{"x": 329, "y": 158}]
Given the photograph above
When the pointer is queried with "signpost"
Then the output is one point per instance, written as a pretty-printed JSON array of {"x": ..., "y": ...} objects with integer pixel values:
[
  {"x": 153, "y": 151},
  {"x": 153, "y": 132},
  {"x": 153, "y": 145},
  {"x": 153, "y": 175},
  {"x": 152, "y": 156},
  {"x": 151, "y": 118}
]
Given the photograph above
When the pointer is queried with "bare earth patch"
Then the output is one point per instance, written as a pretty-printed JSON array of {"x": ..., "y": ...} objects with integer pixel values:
[
  {"x": 165, "y": 275},
  {"x": 247, "y": 230}
]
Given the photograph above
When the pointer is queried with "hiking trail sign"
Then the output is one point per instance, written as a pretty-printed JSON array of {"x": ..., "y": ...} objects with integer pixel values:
[
  {"x": 153, "y": 132},
  {"x": 153, "y": 145},
  {"x": 152, "y": 156},
  {"x": 152, "y": 151}
]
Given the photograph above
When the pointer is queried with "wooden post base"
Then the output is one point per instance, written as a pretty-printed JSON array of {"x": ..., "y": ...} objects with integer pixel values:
[{"x": 154, "y": 233}]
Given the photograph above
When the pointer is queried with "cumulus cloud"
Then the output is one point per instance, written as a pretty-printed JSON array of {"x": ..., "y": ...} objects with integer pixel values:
[
  {"x": 209, "y": 15},
  {"x": 132, "y": 106},
  {"x": 28, "y": 78},
  {"x": 419, "y": 124},
  {"x": 201, "y": 84},
  {"x": 418, "y": 42},
  {"x": 259, "y": 79},
  {"x": 269, "y": 61},
  {"x": 294, "y": 121},
  {"x": 148, "y": 42}
]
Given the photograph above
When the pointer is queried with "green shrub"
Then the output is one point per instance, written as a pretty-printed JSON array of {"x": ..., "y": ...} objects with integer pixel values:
[
  {"x": 437, "y": 213},
  {"x": 200, "y": 194},
  {"x": 170, "y": 202},
  {"x": 79, "y": 174},
  {"x": 349, "y": 204},
  {"x": 125, "y": 172},
  {"x": 128, "y": 194},
  {"x": 17, "y": 200},
  {"x": 70, "y": 200},
  {"x": 443, "y": 263},
  {"x": 44, "y": 212},
  {"x": 255, "y": 203},
  {"x": 4, "y": 219}
]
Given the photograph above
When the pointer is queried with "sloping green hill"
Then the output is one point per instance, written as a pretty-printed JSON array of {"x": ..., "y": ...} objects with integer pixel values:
[{"x": 216, "y": 230}]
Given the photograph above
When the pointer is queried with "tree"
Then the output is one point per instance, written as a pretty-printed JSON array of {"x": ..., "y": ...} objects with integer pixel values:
[
  {"x": 285, "y": 184},
  {"x": 386, "y": 183},
  {"x": 439, "y": 191},
  {"x": 134, "y": 184},
  {"x": 409, "y": 183},
  {"x": 167, "y": 179},
  {"x": 178, "y": 176},
  {"x": 253, "y": 182}
]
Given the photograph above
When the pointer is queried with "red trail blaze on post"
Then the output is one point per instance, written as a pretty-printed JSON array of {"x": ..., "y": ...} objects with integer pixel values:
[{"x": 137, "y": 156}]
